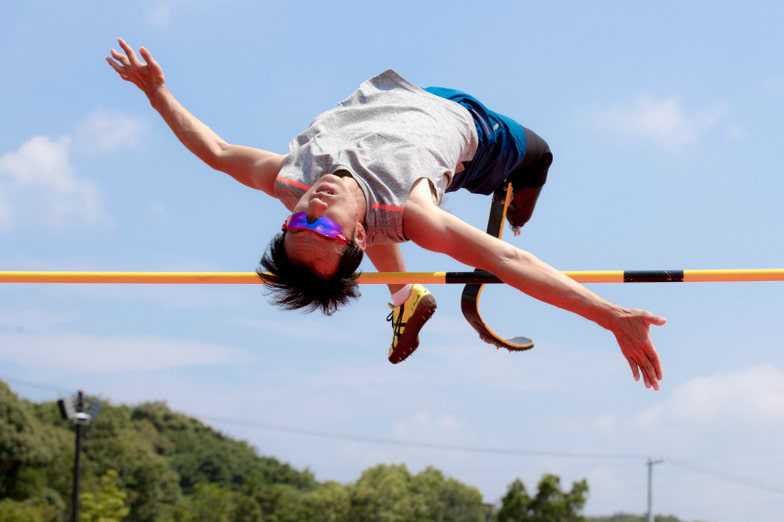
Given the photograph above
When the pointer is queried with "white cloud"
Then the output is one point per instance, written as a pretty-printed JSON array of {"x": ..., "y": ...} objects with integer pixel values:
[
  {"x": 160, "y": 15},
  {"x": 773, "y": 84},
  {"x": 752, "y": 395},
  {"x": 736, "y": 132},
  {"x": 107, "y": 131},
  {"x": 40, "y": 177},
  {"x": 41, "y": 162},
  {"x": 77, "y": 353},
  {"x": 660, "y": 120},
  {"x": 5, "y": 212},
  {"x": 39, "y": 182},
  {"x": 700, "y": 418},
  {"x": 425, "y": 426},
  {"x": 159, "y": 213}
]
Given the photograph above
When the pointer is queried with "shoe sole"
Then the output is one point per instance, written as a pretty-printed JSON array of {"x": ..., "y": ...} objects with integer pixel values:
[{"x": 407, "y": 346}]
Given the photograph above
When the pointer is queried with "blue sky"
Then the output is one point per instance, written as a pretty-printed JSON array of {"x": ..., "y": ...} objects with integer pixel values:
[{"x": 665, "y": 122}]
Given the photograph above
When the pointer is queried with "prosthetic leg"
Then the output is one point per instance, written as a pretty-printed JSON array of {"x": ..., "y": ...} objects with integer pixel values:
[{"x": 470, "y": 299}]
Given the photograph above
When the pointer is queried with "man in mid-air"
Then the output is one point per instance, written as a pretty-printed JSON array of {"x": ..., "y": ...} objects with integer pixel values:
[{"x": 371, "y": 173}]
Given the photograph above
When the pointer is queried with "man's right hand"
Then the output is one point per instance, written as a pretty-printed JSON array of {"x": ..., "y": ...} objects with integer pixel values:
[
  {"x": 146, "y": 76},
  {"x": 253, "y": 167},
  {"x": 632, "y": 331}
]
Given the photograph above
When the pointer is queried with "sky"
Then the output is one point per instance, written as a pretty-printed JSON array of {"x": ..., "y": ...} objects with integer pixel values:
[{"x": 665, "y": 120}]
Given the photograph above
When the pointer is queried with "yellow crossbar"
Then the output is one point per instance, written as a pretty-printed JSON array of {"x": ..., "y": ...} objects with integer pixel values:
[{"x": 373, "y": 278}]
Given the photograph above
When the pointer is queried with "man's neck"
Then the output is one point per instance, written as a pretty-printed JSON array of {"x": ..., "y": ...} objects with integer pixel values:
[{"x": 357, "y": 193}]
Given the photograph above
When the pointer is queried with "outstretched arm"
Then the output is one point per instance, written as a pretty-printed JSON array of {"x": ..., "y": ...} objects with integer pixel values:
[
  {"x": 435, "y": 229},
  {"x": 255, "y": 168}
]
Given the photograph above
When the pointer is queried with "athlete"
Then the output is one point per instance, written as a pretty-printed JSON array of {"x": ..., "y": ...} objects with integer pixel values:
[{"x": 370, "y": 174}]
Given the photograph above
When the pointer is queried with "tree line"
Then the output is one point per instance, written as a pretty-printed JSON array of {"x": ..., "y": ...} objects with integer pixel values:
[{"x": 147, "y": 463}]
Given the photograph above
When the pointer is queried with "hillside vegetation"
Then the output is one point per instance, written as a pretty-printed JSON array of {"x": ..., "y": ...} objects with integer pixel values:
[{"x": 146, "y": 463}]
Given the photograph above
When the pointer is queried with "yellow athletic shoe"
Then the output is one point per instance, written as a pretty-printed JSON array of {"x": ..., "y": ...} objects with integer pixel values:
[{"x": 407, "y": 319}]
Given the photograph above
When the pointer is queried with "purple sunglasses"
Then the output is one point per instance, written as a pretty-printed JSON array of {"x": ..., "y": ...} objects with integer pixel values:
[{"x": 323, "y": 226}]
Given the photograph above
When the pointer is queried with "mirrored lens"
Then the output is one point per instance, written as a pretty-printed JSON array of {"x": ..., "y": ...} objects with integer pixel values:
[{"x": 323, "y": 225}]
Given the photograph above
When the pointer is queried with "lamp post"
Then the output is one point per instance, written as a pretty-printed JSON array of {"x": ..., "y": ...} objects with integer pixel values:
[{"x": 80, "y": 417}]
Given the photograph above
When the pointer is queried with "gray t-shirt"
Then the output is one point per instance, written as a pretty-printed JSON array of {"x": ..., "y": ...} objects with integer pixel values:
[{"x": 388, "y": 134}]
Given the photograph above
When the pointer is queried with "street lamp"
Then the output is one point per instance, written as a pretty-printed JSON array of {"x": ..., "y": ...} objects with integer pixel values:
[{"x": 80, "y": 417}]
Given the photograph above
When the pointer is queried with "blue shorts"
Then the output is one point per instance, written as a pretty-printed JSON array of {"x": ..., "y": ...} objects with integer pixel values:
[{"x": 502, "y": 146}]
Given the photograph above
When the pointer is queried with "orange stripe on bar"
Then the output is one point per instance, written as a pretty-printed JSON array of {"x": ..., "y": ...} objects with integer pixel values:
[
  {"x": 734, "y": 274},
  {"x": 367, "y": 278}
]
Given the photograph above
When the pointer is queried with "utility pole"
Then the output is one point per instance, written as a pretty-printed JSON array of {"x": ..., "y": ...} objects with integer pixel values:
[
  {"x": 76, "y": 413},
  {"x": 650, "y": 465}
]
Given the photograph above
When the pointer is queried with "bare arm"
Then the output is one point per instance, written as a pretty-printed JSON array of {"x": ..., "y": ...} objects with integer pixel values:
[
  {"x": 253, "y": 167},
  {"x": 435, "y": 229},
  {"x": 387, "y": 258}
]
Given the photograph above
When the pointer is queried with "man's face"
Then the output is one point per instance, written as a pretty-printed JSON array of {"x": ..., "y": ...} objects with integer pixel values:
[{"x": 334, "y": 197}]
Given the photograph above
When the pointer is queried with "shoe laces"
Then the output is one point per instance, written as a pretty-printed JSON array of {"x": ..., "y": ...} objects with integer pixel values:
[{"x": 397, "y": 326}]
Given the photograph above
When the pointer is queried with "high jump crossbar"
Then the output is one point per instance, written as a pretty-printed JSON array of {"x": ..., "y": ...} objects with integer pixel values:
[{"x": 371, "y": 278}]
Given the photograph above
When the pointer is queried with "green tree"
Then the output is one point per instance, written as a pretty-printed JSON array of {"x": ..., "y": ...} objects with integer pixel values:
[
  {"x": 22, "y": 440},
  {"x": 246, "y": 509},
  {"x": 550, "y": 504},
  {"x": 391, "y": 493},
  {"x": 212, "y": 502},
  {"x": 149, "y": 464},
  {"x": 111, "y": 442},
  {"x": 31, "y": 510},
  {"x": 107, "y": 504},
  {"x": 53, "y": 481},
  {"x": 278, "y": 502},
  {"x": 330, "y": 502},
  {"x": 202, "y": 455},
  {"x": 446, "y": 499},
  {"x": 627, "y": 517},
  {"x": 515, "y": 503},
  {"x": 382, "y": 494},
  {"x": 33, "y": 461}
]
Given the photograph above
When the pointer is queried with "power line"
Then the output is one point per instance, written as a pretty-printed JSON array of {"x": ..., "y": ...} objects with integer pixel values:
[
  {"x": 37, "y": 385},
  {"x": 388, "y": 441},
  {"x": 445, "y": 447},
  {"x": 423, "y": 445},
  {"x": 722, "y": 476}
]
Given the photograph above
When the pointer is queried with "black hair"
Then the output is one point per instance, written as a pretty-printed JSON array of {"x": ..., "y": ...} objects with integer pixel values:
[{"x": 295, "y": 286}]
